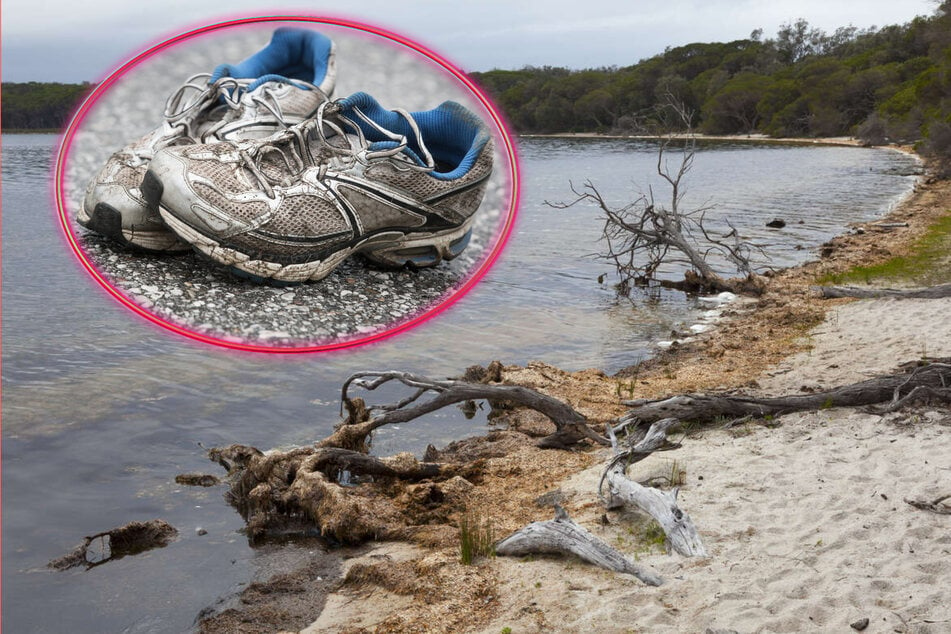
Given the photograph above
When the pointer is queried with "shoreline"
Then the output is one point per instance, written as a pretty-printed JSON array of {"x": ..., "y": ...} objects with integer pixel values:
[
  {"x": 32, "y": 131},
  {"x": 742, "y": 138},
  {"x": 770, "y": 345}
]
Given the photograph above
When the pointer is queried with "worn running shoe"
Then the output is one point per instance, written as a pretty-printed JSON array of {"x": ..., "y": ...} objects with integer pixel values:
[
  {"x": 400, "y": 188},
  {"x": 281, "y": 85}
]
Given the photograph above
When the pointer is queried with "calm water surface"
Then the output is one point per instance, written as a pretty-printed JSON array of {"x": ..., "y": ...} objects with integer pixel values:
[{"x": 102, "y": 409}]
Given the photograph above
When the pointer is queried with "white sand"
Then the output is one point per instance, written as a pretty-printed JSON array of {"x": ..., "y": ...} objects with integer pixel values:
[
  {"x": 806, "y": 529},
  {"x": 865, "y": 339},
  {"x": 805, "y": 523}
]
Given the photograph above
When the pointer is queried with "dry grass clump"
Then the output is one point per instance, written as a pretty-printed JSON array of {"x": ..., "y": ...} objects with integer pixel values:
[{"x": 476, "y": 538}]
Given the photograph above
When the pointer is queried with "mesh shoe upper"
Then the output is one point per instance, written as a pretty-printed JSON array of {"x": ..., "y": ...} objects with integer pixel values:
[
  {"x": 354, "y": 172},
  {"x": 281, "y": 85}
]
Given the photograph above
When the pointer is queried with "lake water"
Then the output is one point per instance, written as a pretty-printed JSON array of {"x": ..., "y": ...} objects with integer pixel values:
[{"x": 101, "y": 409}]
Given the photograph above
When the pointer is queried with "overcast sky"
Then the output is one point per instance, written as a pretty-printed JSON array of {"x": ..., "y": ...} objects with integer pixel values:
[{"x": 71, "y": 41}]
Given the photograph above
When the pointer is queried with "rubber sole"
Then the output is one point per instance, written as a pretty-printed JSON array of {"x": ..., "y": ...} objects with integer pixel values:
[
  {"x": 399, "y": 251},
  {"x": 422, "y": 252},
  {"x": 106, "y": 220}
]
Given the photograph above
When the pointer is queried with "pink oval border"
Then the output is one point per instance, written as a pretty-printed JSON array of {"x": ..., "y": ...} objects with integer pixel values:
[{"x": 452, "y": 296}]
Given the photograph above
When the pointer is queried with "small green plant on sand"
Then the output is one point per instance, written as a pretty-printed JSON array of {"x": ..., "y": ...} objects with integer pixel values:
[
  {"x": 739, "y": 431},
  {"x": 506, "y": 630},
  {"x": 645, "y": 537},
  {"x": 653, "y": 535},
  {"x": 622, "y": 387},
  {"x": 673, "y": 473},
  {"x": 770, "y": 421},
  {"x": 476, "y": 538},
  {"x": 650, "y": 539},
  {"x": 678, "y": 474}
]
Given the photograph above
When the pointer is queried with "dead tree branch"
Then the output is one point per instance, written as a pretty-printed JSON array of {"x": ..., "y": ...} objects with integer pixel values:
[
  {"x": 563, "y": 536},
  {"x": 935, "y": 507},
  {"x": 931, "y": 292},
  {"x": 682, "y": 535},
  {"x": 570, "y": 425},
  {"x": 890, "y": 390},
  {"x": 335, "y": 486},
  {"x": 645, "y": 234}
]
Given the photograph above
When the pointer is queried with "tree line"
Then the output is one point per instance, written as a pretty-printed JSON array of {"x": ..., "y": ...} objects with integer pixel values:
[
  {"x": 39, "y": 105},
  {"x": 881, "y": 84}
]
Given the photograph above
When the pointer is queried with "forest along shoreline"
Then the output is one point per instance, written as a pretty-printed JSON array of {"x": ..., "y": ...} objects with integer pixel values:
[
  {"x": 740, "y": 138},
  {"x": 415, "y": 581}
]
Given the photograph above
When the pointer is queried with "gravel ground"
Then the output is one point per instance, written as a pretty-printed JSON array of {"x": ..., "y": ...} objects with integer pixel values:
[{"x": 355, "y": 300}]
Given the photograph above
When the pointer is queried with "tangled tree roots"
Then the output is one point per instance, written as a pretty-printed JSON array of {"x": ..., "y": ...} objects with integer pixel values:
[
  {"x": 336, "y": 488},
  {"x": 342, "y": 494},
  {"x": 752, "y": 284}
]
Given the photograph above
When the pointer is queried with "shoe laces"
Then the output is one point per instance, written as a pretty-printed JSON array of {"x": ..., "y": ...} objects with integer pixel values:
[
  {"x": 339, "y": 134},
  {"x": 199, "y": 95}
]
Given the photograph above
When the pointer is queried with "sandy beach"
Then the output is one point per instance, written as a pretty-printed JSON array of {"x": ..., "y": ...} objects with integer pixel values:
[
  {"x": 804, "y": 515},
  {"x": 805, "y": 520}
]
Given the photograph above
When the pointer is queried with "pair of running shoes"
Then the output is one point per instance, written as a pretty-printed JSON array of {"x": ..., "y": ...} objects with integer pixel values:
[{"x": 259, "y": 169}]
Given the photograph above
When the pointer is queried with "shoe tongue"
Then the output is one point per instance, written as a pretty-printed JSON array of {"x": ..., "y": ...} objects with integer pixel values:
[
  {"x": 382, "y": 127},
  {"x": 264, "y": 79},
  {"x": 254, "y": 82}
]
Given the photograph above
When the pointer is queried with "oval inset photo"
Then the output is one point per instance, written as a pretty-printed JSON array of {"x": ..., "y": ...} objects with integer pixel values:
[{"x": 287, "y": 184}]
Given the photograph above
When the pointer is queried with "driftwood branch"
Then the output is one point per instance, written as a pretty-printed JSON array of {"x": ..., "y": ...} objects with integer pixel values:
[
  {"x": 563, "y": 536},
  {"x": 936, "y": 506},
  {"x": 653, "y": 440},
  {"x": 681, "y": 533},
  {"x": 570, "y": 425},
  {"x": 921, "y": 393},
  {"x": 333, "y": 462},
  {"x": 662, "y": 506},
  {"x": 130, "y": 539},
  {"x": 931, "y": 292},
  {"x": 894, "y": 390}
]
